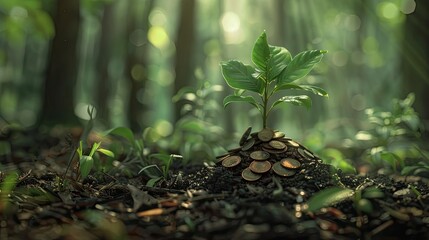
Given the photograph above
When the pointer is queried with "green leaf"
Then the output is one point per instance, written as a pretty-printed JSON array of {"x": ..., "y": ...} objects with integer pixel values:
[
  {"x": 122, "y": 132},
  {"x": 165, "y": 158},
  {"x": 408, "y": 170},
  {"x": 279, "y": 59},
  {"x": 86, "y": 163},
  {"x": 372, "y": 192},
  {"x": 151, "y": 171},
  {"x": 301, "y": 100},
  {"x": 232, "y": 98},
  {"x": 94, "y": 148},
  {"x": 390, "y": 157},
  {"x": 300, "y": 66},
  {"x": 270, "y": 59},
  {"x": 336, "y": 158},
  {"x": 365, "y": 206},
  {"x": 181, "y": 93},
  {"x": 316, "y": 90},
  {"x": 240, "y": 76},
  {"x": 79, "y": 150},
  {"x": 328, "y": 197},
  {"x": 151, "y": 182},
  {"x": 192, "y": 124},
  {"x": 106, "y": 152},
  {"x": 239, "y": 92},
  {"x": 261, "y": 52}
]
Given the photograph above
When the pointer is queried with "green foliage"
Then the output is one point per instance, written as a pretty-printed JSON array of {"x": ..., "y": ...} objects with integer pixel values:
[
  {"x": 7, "y": 186},
  {"x": 393, "y": 141},
  {"x": 361, "y": 197},
  {"x": 86, "y": 162},
  {"x": 24, "y": 17},
  {"x": 419, "y": 169},
  {"x": 319, "y": 141},
  {"x": 337, "y": 159},
  {"x": 160, "y": 170},
  {"x": 135, "y": 145},
  {"x": 328, "y": 197},
  {"x": 274, "y": 72},
  {"x": 196, "y": 136},
  {"x": 155, "y": 166}
]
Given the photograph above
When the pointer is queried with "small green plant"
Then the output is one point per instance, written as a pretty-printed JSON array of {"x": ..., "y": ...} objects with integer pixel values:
[
  {"x": 394, "y": 138},
  {"x": 196, "y": 136},
  {"x": 161, "y": 169},
  {"x": 361, "y": 197},
  {"x": 275, "y": 71},
  {"x": 136, "y": 145},
  {"x": 155, "y": 166},
  {"x": 86, "y": 162}
]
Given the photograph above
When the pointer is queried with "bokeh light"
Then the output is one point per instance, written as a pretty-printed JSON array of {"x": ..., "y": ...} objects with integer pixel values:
[
  {"x": 230, "y": 22},
  {"x": 158, "y": 37}
]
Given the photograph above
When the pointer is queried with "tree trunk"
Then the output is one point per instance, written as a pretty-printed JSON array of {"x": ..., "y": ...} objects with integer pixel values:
[
  {"x": 103, "y": 89},
  {"x": 415, "y": 52},
  {"x": 136, "y": 66},
  {"x": 184, "y": 50},
  {"x": 58, "y": 99}
]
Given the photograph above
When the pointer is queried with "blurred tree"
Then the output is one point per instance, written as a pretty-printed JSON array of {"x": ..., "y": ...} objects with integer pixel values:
[
  {"x": 136, "y": 65},
  {"x": 415, "y": 55},
  {"x": 185, "y": 41},
  {"x": 58, "y": 97},
  {"x": 103, "y": 90}
]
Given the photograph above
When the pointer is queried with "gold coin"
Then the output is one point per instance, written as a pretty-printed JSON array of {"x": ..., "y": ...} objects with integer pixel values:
[
  {"x": 284, "y": 140},
  {"x": 274, "y": 151},
  {"x": 284, "y": 172},
  {"x": 290, "y": 163},
  {"x": 231, "y": 161},
  {"x": 221, "y": 158},
  {"x": 248, "y": 144},
  {"x": 278, "y": 135},
  {"x": 260, "y": 166},
  {"x": 259, "y": 155},
  {"x": 266, "y": 145},
  {"x": 292, "y": 143},
  {"x": 248, "y": 175},
  {"x": 305, "y": 153},
  {"x": 277, "y": 144},
  {"x": 265, "y": 135},
  {"x": 245, "y": 136}
]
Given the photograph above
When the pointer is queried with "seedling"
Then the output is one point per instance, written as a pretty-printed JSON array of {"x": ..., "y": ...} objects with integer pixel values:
[
  {"x": 86, "y": 162},
  {"x": 394, "y": 140},
  {"x": 196, "y": 136},
  {"x": 160, "y": 171},
  {"x": 275, "y": 71}
]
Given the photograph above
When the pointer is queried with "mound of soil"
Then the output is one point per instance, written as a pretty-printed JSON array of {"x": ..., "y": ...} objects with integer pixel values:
[{"x": 205, "y": 202}]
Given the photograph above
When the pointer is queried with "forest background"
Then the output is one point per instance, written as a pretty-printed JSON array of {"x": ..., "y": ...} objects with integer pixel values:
[{"x": 153, "y": 66}]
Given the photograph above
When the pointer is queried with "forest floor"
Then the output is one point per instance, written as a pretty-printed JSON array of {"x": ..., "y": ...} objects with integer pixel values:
[{"x": 200, "y": 201}]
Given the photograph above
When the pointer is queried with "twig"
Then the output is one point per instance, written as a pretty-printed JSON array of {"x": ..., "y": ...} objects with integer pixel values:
[
  {"x": 381, "y": 227},
  {"x": 162, "y": 190},
  {"x": 69, "y": 163}
]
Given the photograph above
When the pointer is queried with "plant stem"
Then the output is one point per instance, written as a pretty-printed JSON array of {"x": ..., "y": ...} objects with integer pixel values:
[{"x": 265, "y": 101}]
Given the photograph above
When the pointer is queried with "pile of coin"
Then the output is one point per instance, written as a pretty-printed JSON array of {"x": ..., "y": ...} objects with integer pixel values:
[{"x": 265, "y": 152}]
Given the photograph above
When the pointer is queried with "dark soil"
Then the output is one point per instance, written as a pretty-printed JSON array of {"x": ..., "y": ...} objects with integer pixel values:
[{"x": 197, "y": 202}]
